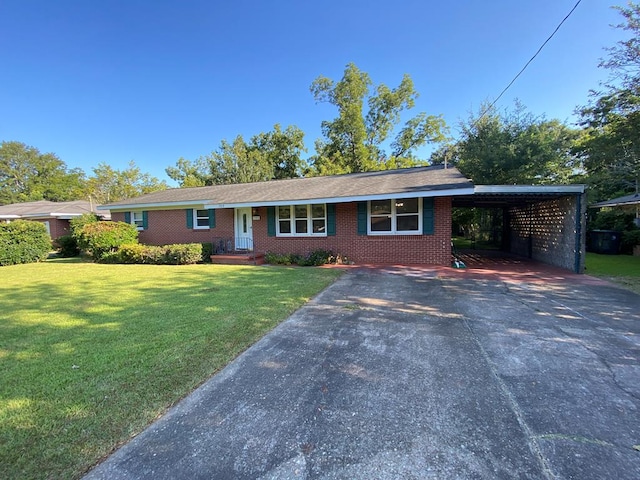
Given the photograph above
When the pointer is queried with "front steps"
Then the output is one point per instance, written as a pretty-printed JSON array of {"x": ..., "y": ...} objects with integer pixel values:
[{"x": 239, "y": 258}]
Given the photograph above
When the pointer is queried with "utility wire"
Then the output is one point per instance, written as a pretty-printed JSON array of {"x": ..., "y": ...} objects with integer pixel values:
[{"x": 527, "y": 64}]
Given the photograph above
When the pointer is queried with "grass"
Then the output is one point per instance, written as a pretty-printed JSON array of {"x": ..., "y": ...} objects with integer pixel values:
[
  {"x": 621, "y": 269},
  {"x": 91, "y": 354}
]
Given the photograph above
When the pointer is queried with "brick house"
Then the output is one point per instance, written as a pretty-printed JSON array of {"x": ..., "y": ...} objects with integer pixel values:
[
  {"x": 54, "y": 215},
  {"x": 399, "y": 216},
  {"x": 396, "y": 216}
]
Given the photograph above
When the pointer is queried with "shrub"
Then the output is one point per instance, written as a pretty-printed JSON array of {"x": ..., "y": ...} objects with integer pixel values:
[
  {"x": 277, "y": 258},
  {"x": 67, "y": 246},
  {"x": 77, "y": 223},
  {"x": 630, "y": 239},
  {"x": 184, "y": 253},
  {"x": 207, "y": 251},
  {"x": 23, "y": 241},
  {"x": 314, "y": 258},
  {"x": 102, "y": 237}
]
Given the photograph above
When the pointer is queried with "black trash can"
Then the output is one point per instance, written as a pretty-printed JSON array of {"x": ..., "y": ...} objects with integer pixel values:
[{"x": 605, "y": 241}]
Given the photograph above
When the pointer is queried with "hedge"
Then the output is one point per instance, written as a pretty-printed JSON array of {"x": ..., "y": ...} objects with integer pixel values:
[
  {"x": 101, "y": 238},
  {"x": 23, "y": 241},
  {"x": 176, "y": 254}
]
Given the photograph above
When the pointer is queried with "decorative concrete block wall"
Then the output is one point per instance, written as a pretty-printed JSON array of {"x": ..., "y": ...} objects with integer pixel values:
[{"x": 551, "y": 231}]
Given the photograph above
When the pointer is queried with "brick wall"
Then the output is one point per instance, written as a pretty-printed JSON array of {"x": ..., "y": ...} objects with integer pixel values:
[
  {"x": 400, "y": 249},
  {"x": 169, "y": 226},
  {"x": 546, "y": 232},
  {"x": 57, "y": 227}
]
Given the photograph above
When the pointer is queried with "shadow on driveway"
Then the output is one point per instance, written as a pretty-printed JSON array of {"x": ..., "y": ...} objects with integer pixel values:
[{"x": 411, "y": 373}]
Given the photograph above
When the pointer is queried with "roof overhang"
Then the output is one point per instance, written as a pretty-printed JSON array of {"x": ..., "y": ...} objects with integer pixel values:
[{"x": 497, "y": 196}]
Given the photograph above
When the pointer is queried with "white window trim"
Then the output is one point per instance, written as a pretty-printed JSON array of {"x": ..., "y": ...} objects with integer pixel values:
[
  {"x": 394, "y": 222},
  {"x": 141, "y": 219},
  {"x": 195, "y": 220},
  {"x": 292, "y": 221}
]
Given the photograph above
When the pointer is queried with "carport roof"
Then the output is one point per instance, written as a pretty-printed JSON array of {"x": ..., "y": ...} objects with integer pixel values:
[{"x": 489, "y": 196}]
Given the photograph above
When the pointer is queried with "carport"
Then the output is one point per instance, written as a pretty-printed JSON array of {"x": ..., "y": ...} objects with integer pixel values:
[{"x": 545, "y": 223}]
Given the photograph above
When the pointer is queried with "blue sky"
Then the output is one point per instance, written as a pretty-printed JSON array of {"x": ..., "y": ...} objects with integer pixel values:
[{"x": 153, "y": 80}]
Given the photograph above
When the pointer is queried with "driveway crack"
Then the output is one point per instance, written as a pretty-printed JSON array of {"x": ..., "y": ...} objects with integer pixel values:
[{"x": 534, "y": 446}]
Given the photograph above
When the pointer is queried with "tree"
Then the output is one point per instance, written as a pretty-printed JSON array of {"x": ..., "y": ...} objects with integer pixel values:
[
  {"x": 28, "y": 175},
  {"x": 513, "y": 148},
  {"x": 111, "y": 185},
  {"x": 354, "y": 141},
  {"x": 267, "y": 156},
  {"x": 610, "y": 147}
]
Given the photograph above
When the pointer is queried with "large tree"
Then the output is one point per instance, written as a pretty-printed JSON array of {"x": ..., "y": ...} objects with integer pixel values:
[
  {"x": 513, "y": 148},
  {"x": 111, "y": 185},
  {"x": 610, "y": 147},
  {"x": 26, "y": 174},
  {"x": 355, "y": 141},
  {"x": 267, "y": 156}
]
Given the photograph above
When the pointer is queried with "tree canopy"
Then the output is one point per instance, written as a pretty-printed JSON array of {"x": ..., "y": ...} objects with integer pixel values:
[
  {"x": 610, "y": 147},
  {"x": 513, "y": 148},
  {"x": 355, "y": 141},
  {"x": 111, "y": 185},
  {"x": 267, "y": 156},
  {"x": 26, "y": 175}
]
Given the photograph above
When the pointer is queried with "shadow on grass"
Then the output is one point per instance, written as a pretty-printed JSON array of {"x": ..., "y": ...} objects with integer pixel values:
[{"x": 92, "y": 353}]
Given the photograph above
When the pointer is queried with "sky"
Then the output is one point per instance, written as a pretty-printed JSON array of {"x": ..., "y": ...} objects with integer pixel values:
[{"x": 151, "y": 81}]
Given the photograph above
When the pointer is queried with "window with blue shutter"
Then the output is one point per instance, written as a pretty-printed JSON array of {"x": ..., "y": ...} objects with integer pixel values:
[
  {"x": 428, "y": 216},
  {"x": 331, "y": 219},
  {"x": 189, "y": 217}
]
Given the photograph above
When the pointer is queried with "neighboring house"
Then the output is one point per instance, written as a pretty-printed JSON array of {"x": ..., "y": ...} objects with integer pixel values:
[
  {"x": 387, "y": 217},
  {"x": 55, "y": 215}
]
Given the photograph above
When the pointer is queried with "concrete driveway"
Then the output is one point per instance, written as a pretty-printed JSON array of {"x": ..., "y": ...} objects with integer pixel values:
[{"x": 415, "y": 374}]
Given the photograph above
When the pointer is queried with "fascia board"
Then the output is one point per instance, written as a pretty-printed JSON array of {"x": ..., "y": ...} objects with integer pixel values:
[{"x": 529, "y": 189}]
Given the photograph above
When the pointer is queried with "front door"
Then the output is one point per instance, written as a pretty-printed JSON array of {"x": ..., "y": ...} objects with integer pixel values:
[{"x": 244, "y": 229}]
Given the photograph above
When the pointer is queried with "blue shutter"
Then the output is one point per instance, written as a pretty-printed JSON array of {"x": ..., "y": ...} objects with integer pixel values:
[
  {"x": 189, "y": 217},
  {"x": 362, "y": 218},
  {"x": 428, "y": 216},
  {"x": 331, "y": 219},
  {"x": 127, "y": 217},
  {"x": 145, "y": 219},
  {"x": 212, "y": 218},
  {"x": 271, "y": 221}
]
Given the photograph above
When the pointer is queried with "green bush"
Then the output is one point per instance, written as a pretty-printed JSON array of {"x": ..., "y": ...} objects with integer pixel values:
[
  {"x": 207, "y": 251},
  {"x": 103, "y": 237},
  {"x": 630, "y": 239},
  {"x": 178, "y": 254},
  {"x": 77, "y": 223},
  {"x": 23, "y": 241},
  {"x": 67, "y": 246},
  {"x": 184, "y": 253},
  {"x": 277, "y": 258},
  {"x": 314, "y": 258}
]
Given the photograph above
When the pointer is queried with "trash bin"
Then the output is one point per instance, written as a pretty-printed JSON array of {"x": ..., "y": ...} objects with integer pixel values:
[{"x": 605, "y": 241}]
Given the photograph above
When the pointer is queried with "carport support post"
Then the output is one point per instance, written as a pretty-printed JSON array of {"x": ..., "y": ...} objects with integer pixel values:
[{"x": 579, "y": 243}]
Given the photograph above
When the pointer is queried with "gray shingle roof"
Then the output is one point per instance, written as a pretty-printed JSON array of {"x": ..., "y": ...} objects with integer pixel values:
[
  {"x": 45, "y": 208},
  {"x": 418, "y": 181}
]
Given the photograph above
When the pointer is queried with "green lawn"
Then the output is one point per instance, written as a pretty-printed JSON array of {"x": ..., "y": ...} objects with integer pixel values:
[
  {"x": 621, "y": 269},
  {"x": 91, "y": 354}
]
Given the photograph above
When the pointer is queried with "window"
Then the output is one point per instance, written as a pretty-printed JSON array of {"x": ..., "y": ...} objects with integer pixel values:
[
  {"x": 139, "y": 219},
  {"x": 301, "y": 220},
  {"x": 399, "y": 217},
  {"x": 200, "y": 218}
]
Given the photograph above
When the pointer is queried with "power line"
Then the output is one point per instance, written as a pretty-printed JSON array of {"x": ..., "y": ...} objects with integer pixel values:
[{"x": 527, "y": 64}]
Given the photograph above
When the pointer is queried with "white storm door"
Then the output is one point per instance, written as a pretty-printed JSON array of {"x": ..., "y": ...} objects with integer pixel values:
[{"x": 244, "y": 229}]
